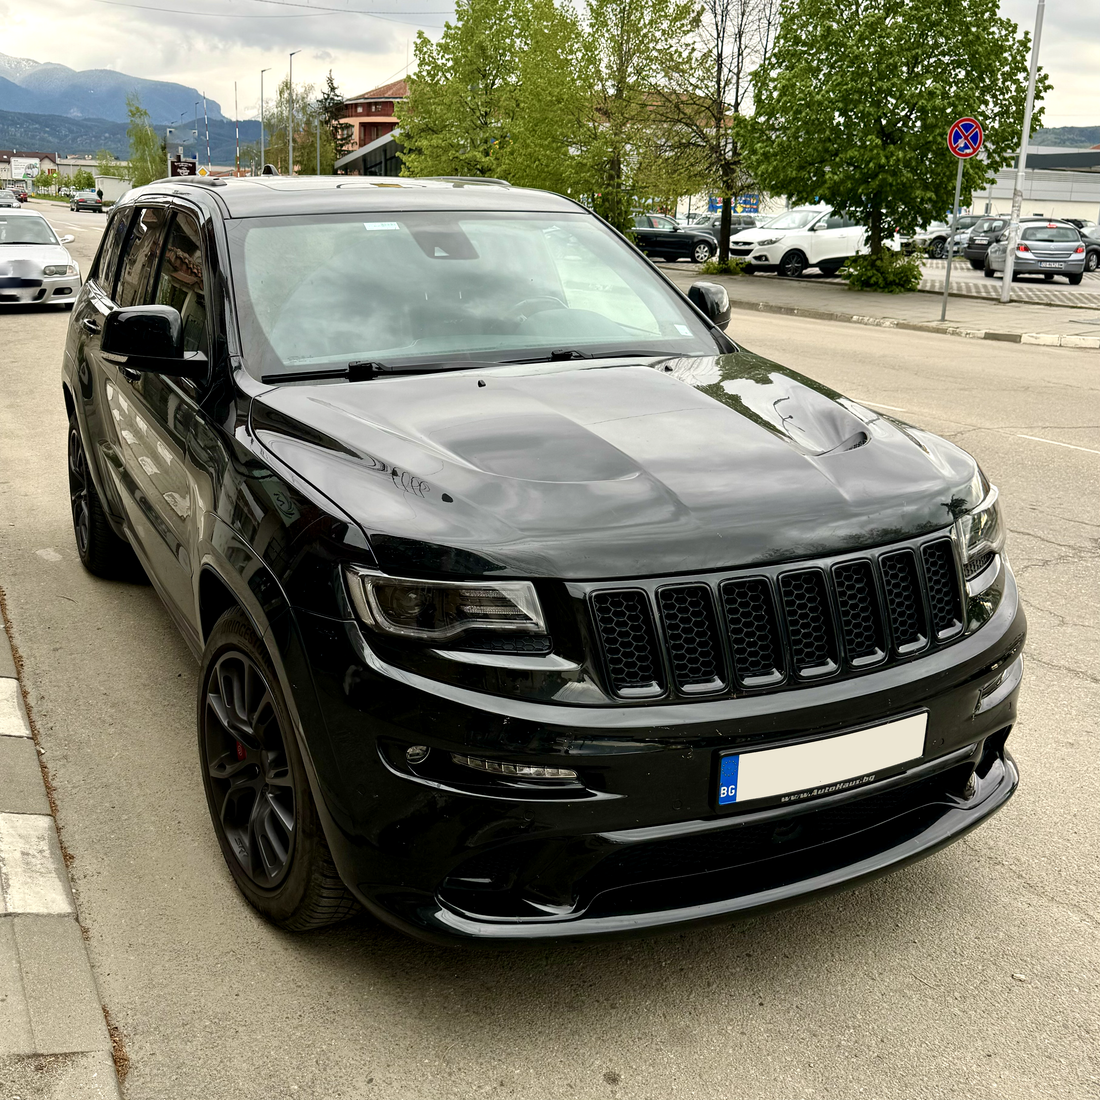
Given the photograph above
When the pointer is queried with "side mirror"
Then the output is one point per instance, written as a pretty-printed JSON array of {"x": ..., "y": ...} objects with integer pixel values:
[
  {"x": 150, "y": 339},
  {"x": 713, "y": 300},
  {"x": 68, "y": 238}
]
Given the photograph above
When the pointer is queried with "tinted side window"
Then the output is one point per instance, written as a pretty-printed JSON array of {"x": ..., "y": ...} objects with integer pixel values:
[
  {"x": 107, "y": 262},
  {"x": 179, "y": 281},
  {"x": 140, "y": 257}
]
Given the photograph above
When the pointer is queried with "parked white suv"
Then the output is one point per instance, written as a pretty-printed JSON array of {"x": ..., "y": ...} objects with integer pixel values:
[{"x": 807, "y": 236}]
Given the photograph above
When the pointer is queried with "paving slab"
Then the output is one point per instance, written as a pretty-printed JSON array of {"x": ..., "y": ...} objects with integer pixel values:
[
  {"x": 13, "y": 718},
  {"x": 7, "y": 660},
  {"x": 21, "y": 789},
  {"x": 16, "y": 1036},
  {"x": 33, "y": 878},
  {"x": 87, "y": 1075}
]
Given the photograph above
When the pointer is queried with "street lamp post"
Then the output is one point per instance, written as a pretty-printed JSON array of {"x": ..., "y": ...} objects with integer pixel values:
[
  {"x": 262, "y": 161},
  {"x": 290, "y": 116},
  {"x": 1021, "y": 163}
]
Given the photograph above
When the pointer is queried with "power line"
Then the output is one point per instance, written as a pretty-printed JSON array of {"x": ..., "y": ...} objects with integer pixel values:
[{"x": 318, "y": 12}]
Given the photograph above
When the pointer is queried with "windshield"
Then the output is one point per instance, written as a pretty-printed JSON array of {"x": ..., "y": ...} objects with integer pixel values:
[
  {"x": 26, "y": 230},
  {"x": 795, "y": 219},
  {"x": 989, "y": 225},
  {"x": 320, "y": 291},
  {"x": 1050, "y": 233}
]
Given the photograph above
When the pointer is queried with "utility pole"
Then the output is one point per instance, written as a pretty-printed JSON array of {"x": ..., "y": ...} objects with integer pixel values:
[
  {"x": 318, "y": 143},
  {"x": 290, "y": 117},
  {"x": 262, "y": 161},
  {"x": 206, "y": 119},
  {"x": 1021, "y": 163},
  {"x": 237, "y": 124}
]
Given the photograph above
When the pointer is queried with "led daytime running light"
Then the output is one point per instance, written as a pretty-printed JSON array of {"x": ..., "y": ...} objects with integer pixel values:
[{"x": 516, "y": 771}]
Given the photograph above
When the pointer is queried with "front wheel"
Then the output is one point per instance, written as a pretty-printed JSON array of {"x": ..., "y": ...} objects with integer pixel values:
[
  {"x": 793, "y": 264},
  {"x": 937, "y": 250},
  {"x": 702, "y": 252},
  {"x": 260, "y": 803}
]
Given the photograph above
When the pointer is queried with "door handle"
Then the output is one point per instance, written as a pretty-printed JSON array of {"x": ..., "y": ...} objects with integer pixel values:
[{"x": 89, "y": 325}]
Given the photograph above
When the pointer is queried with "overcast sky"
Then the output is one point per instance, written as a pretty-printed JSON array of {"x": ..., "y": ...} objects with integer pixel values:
[{"x": 234, "y": 39}]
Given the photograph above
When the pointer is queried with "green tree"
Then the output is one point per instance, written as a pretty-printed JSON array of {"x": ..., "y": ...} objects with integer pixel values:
[
  {"x": 83, "y": 180},
  {"x": 107, "y": 164},
  {"x": 331, "y": 106},
  {"x": 853, "y": 106},
  {"x": 148, "y": 156},
  {"x": 306, "y": 117}
]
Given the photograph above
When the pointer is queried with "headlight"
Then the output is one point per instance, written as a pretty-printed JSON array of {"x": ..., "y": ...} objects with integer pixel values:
[
  {"x": 440, "y": 610},
  {"x": 59, "y": 269},
  {"x": 770, "y": 240},
  {"x": 981, "y": 534}
]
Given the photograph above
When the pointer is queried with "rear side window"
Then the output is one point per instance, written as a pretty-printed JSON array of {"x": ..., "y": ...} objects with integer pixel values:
[
  {"x": 140, "y": 257},
  {"x": 179, "y": 281},
  {"x": 107, "y": 261}
]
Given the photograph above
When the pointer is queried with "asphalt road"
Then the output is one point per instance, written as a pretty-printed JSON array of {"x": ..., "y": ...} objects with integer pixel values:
[{"x": 973, "y": 974}]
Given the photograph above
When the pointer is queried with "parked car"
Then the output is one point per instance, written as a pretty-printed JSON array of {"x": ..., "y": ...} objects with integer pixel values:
[
  {"x": 8, "y": 199},
  {"x": 528, "y": 603},
  {"x": 35, "y": 265},
  {"x": 1091, "y": 238},
  {"x": 932, "y": 241},
  {"x": 86, "y": 200},
  {"x": 992, "y": 227},
  {"x": 1045, "y": 248},
  {"x": 1084, "y": 224},
  {"x": 663, "y": 238},
  {"x": 21, "y": 194},
  {"x": 805, "y": 237},
  {"x": 713, "y": 222}
]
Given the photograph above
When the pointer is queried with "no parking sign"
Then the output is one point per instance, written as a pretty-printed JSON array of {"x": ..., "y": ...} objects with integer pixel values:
[{"x": 965, "y": 138}]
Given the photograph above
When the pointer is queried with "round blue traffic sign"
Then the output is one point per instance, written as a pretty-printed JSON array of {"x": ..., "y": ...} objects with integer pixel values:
[{"x": 965, "y": 137}]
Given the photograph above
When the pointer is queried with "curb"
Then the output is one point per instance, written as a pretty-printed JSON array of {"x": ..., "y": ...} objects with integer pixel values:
[
  {"x": 943, "y": 328},
  {"x": 54, "y": 1041}
]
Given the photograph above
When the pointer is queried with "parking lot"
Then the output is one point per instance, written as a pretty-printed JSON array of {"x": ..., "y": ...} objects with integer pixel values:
[{"x": 972, "y": 974}]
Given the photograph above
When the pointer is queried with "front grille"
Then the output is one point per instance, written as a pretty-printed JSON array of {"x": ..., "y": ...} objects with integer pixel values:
[{"x": 779, "y": 625}]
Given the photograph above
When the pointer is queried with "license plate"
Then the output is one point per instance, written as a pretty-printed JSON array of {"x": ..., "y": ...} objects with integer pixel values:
[
  {"x": 979, "y": 240},
  {"x": 812, "y": 769},
  {"x": 1044, "y": 263}
]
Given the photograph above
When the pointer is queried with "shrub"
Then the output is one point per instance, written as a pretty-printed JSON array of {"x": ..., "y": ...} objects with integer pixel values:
[
  {"x": 889, "y": 272},
  {"x": 714, "y": 266}
]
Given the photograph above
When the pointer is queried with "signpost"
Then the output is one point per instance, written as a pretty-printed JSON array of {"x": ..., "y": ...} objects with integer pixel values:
[
  {"x": 181, "y": 168},
  {"x": 964, "y": 139}
]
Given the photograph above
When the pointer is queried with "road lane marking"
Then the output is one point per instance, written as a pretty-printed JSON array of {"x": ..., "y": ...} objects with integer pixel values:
[
  {"x": 31, "y": 868},
  {"x": 1055, "y": 443},
  {"x": 13, "y": 723}
]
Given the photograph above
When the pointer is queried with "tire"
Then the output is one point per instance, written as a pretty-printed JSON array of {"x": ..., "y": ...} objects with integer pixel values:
[
  {"x": 101, "y": 551},
  {"x": 977, "y": 265},
  {"x": 1074, "y": 280},
  {"x": 792, "y": 265},
  {"x": 1092, "y": 261},
  {"x": 1048, "y": 278},
  {"x": 702, "y": 252},
  {"x": 937, "y": 250},
  {"x": 256, "y": 783},
  {"x": 987, "y": 271},
  {"x": 830, "y": 268}
]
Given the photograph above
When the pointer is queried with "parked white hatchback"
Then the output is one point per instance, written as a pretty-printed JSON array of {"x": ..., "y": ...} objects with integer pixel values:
[
  {"x": 35, "y": 266},
  {"x": 807, "y": 236}
]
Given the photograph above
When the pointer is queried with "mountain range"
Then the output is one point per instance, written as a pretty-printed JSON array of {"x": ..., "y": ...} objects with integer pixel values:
[{"x": 31, "y": 87}]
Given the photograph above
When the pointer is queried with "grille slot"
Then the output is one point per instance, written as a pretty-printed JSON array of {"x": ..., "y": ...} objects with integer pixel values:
[
  {"x": 809, "y": 623},
  {"x": 904, "y": 600},
  {"x": 860, "y": 614},
  {"x": 943, "y": 588},
  {"x": 625, "y": 624},
  {"x": 691, "y": 634},
  {"x": 753, "y": 632},
  {"x": 977, "y": 565}
]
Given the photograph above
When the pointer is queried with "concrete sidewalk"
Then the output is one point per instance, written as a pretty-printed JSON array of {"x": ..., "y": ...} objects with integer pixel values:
[
  {"x": 976, "y": 318},
  {"x": 54, "y": 1043}
]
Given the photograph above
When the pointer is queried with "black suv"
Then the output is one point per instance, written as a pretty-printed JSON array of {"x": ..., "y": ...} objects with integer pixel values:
[
  {"x": 663, "y": 238},
  {"x": 528, "y": 603}
]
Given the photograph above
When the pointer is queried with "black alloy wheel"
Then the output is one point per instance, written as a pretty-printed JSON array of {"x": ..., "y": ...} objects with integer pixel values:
[
  {"x": 702, "y": 252},
  {"x": 938, "y": 249},
  {"x": 793, "y": 264},
  {"x": 101, "y": 551},
  {"x": 259, "y": 797}
]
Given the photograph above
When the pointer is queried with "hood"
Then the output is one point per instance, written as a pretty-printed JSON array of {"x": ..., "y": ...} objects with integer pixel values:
[
  {"x": 760, "y": 233},
  {"x": 584, "y": 472},
  {"x": 27, "y": 260}
]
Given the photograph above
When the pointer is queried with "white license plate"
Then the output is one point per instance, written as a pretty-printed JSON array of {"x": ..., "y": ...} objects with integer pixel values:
[
  {"x": 1044, "y": 263},
  {"x": 816, "y": 768}
]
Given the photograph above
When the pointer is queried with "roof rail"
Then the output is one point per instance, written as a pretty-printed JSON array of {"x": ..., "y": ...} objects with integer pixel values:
[{"x": 487, "y": 181}]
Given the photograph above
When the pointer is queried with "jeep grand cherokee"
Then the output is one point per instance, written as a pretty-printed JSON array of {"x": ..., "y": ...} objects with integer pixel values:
[{"x": 528, "y": 603}]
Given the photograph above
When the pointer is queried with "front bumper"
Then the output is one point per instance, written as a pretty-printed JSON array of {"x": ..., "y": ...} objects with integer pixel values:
[
  {"x": 38, "y": 291},
  {"x": 638, "y": 845}
]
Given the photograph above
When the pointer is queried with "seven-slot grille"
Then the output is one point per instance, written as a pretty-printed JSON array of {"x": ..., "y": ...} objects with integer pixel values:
[{"x": 794, "y": 624}]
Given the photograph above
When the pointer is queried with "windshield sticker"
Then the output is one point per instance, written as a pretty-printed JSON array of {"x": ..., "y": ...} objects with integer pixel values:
[
  {"x": 381, "y": 225},
  {"x": 683, "y": 330}
]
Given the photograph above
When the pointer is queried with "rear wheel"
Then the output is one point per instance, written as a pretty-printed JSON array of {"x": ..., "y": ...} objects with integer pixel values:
[
  {"x": 1092, "y": 261},
  {"x": 976, "y": 265},
  {"x": 101, "y": 551},
  {"x": 702, "y": 252},
  {"x": 260, "y": 803},
  {"x": 1048, "y": 278},
  {"x": 1074, "y": 280},
  {"x": 830, "y": 268},
  {"x": 793, "y": 264}
]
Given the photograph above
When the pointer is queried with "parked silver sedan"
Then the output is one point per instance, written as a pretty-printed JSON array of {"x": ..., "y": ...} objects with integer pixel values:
[
  {"x": 35, "y": 265},
  {"x": 1045, "y": 248}
]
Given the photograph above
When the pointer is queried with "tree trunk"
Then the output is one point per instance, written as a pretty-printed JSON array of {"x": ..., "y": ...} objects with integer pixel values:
[
  {"x": 725, "y": 227},
  {"x": 876, "y": 234}
]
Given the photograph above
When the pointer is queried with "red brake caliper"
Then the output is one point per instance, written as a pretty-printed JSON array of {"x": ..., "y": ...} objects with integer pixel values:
[{"x": 240, "y": 751}]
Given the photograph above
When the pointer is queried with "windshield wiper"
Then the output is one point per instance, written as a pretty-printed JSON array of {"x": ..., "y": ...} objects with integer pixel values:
[
  {"x": 563, "y": 355},
  {"x": 368, "y": 369}
]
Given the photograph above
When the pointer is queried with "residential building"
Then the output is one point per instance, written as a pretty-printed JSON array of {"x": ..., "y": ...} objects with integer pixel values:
[
  {"x": 14, "y": 161},
  {"x": 371, "y": 115}
]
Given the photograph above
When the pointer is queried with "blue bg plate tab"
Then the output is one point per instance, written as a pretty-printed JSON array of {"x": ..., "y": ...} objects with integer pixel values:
[{"x": 727, "y": 780}]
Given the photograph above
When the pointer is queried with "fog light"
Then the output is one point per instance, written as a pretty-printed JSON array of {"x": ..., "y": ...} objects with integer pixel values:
[
  {"x": 416, "y": 754},
  {"x": 517, "y": 771}
]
